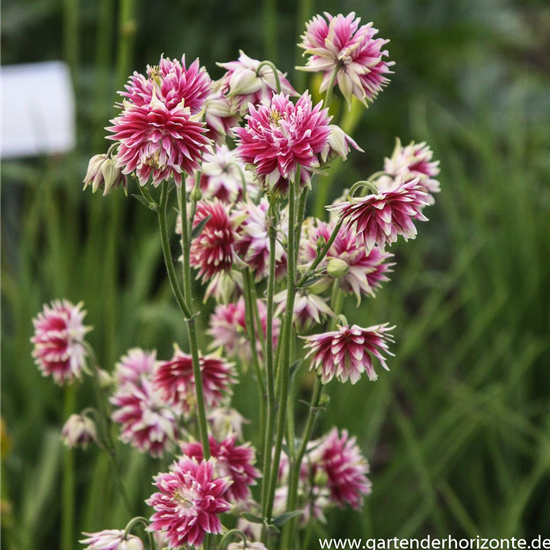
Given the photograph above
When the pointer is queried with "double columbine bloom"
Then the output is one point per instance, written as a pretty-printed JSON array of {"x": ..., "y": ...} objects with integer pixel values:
[{"x": 243, "y": 153}]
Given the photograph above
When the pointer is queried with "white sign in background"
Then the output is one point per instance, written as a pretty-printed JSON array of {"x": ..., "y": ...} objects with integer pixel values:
[{"x": 38, "y": 110}]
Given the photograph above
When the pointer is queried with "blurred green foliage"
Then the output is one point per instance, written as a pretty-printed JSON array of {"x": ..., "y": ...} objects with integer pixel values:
[{"x": 458, "y": 433}]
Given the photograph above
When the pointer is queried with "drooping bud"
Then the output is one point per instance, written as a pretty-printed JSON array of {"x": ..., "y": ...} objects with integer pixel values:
[
  {"x": 103, "y": 174},
  {"x": 338, "y": 144},
  {"x": 337, "y": 268},
  {"x": 79, "y": 430}
]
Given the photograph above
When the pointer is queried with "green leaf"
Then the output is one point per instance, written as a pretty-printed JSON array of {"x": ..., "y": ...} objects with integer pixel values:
[
  {"x": 283, "y": 518},
  {"x": 142, "y": 200},
  {"x": 197, "y": 230},
  {"x": 252, "y": 518}
]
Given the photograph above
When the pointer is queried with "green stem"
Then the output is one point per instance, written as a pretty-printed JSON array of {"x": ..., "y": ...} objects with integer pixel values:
[
  {"x": 305, "y": 11},
  {"x": 69, "y": 480},
  {"x": 286, "y": 350},
  {"x": 321, "y": 256},
  {"x": 269, "y": 9},
  {"x": 191, "y": 320},
  {"x": 270, "y": 371},
  {"x": 127, "y": 27},
  {"x": 224, "y": 543},
  {"x": 145, "y": 522},
  {"x": 297, "y": 465},
  {"x": 275, "y": 73},
  {"x": 328, "y": 96}
]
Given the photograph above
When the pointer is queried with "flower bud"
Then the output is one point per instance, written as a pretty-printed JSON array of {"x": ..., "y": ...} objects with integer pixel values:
[
  {"x": 103, "y": 174},
  {"x": 338, "y": 144},
  {"x": 321, "y": 242},
  {"x": 196, "y": 194},
  {"x": 321, "y": 286},
  {"x": 79, "y": 430},
  {"x": 337, "y": 268}
]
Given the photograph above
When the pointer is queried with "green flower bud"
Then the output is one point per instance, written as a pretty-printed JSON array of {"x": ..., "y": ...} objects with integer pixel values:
[{"x": 337, "y": 268}]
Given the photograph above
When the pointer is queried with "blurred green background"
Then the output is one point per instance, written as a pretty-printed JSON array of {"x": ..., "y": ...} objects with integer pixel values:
[{"x": 458, "y": 433}]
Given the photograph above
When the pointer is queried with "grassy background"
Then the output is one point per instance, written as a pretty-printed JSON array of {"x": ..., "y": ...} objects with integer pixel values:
[{"x": 458, "y": 433}]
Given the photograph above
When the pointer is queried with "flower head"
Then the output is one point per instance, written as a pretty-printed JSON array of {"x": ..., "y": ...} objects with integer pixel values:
[
  {"x": 176, "y": 381},
  {"x": 407, "y": 163},
  {"x": 252, "y": 244},
  {"x": 148, "y": 424},
  {"x": 244, "y": 84},
  {"x": 79, "y": 430},
  {"x": 232, "y": 460},
  {"x": 189, "y": 502},
  {"x": 103, "y": 173},
  {"x": 367, "y": 270},
  {"x": 225, "y": 286},
  {"x": 346, "y": 352},
  {"x": 281, "y": 136},
  {"x": 135, "y": 364},
  {"x": 222, "y": 177},
  {"x": 58, "y": 341},
  {"x": 213, "y": 250},
  {"x": 340, "y": 44},
  {"x": 309, "y": 309},
  {"x": 112, "y": 539},
  {"x": 379, "y": 219},
  {"x": 346, "y": 469},
  {"x": 225, "y": 422},
  {"x": 229, "y": 331}
]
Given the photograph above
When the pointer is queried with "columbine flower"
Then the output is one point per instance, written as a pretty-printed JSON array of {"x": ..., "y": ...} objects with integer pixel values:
[
  {"x": 59, "y": 341},
  {"x": 346, "y": 352},
  {"x": 213, "y": 250},
  {"x": 147, "y": 423},
  {"x": 379, "y": 219},
  {"x": 176, "y": 381},
  {"x": 243, "y": 86},
  {"x": 407, "y": 163},
  {"x": 229, "y": 331},
  {"x": 135, "y": 364},
  {"x": 158, "y": 130},
  {"x": 253, "y": 241},
  {"x": 225, "y": 422},
  {"x": 103, "y": 173},
  {"x": 367, "y": 270},
  {"x": 309, "y": 309},
  {"x": 232, "y": 460},
  {"x": 79, "y": 430},
  {"x": 338, "y": 43},
  {"x": 346, "y": 469},
  {"x": 112, "y": 539},
  {"x": 221, "y": 177},
  {"x": 189, "y": 502},
  {"x": 280, "y": 136}
]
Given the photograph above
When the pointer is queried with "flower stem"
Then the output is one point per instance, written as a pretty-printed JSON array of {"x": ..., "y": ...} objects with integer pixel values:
[
  {"x": 275, "y": 73},
  {"x": 330, "y": 89},
  {"x": 286, "y": 343},
  {"x": 270, "y": 371},
  {"x": 297, "y": 465},
  {"x": 69, "y": 480},
  {"x": 190, "y": 319},
  {"x": 224, "y": 543}
]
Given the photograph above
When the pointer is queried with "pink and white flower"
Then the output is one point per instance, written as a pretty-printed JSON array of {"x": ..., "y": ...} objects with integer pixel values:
[
  {"x": 252, "y": 243},
  {"x": 79, "y": 430},
  {"x": 134, "y": 365},
  {"x": 220, "y": 117},
  {"x": 379, "y": 219},
  {"x": 112, "y": 539},
  {"x": 244, "y": 84},
  {"x": 406, "y": 163},
  {"x": 309, "y": 309},
  {"x": 233, "y": 461},
  {"x": 213, "y": 250},
  {"x": 366, "y": 270},
  {"x": 229, "y": 331},
  {"x": 176, "y": 381},
  {"x": 346, "y": 469},
  {"x": 222, "y": 177},
  {"x": 280, "y": 136},
  {"x": 59, "y": 347},
  {"x": 148, "y": 424},
  {"x": 189, "y": 502},
  {"x": 340, "y": 44},
  {"x": 347, "y": 352}
]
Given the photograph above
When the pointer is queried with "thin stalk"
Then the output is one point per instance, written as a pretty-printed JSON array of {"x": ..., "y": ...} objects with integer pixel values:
[
  {"x": 270, "y": 371},
  {"x": 251, "y": 330},
  {"x": 275, "y": 72},
  {"x": 321, "y": 256},
  {"x": 269, "y": 9},
  {"x": 69, "y": 480},
  {"x": 297, "y": 465},
  {"x": 71, "y": 35},
  {"x": 286, "y": 351},
  {"x": 305, "y": 11},
  {"x": 127, "y": 27},
  {"x": 257, "y": 318},
  {"x": 330, "y": 89},
  {"x": 191, "y": 320}
]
